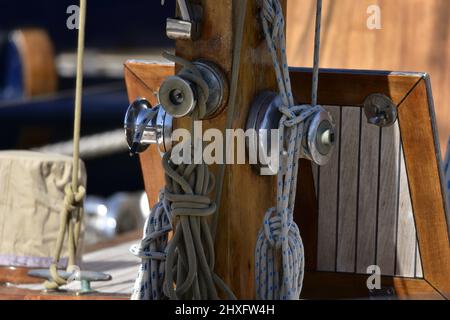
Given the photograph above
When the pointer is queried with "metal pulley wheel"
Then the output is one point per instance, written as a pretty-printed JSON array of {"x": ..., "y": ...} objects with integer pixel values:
[
  {"x": 319, "y": 136},
  {"x": 180, "y": 97}
]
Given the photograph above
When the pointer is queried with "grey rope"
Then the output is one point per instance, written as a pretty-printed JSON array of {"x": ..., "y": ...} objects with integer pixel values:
[
  {"x": 279, "y": 252},
  {"x": 191, "y": 73},
  {"x": 152, "y": 251},
  {"x": 182, "y": 268}
]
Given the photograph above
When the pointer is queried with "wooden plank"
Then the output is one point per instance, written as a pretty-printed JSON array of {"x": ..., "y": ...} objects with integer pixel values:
[
  {"x": 328, "y": 199},
  {"x": 368, "y": 195},
  {"x": 143, "y": 80},
  {"x": 315, "y": 170},
  {"x": 306, "y": 213},
  {"x": 8, "y": 293},
  {"x": 406, "y": 229},
  {"x": 116, "y": 261},
  {"x": 325, "y": 286},
  {"x": 351, "y": 87},
  {"x": 388, "y": 199},
  {"x": 423, "y": 164},
  {"x": 419, "y": 269},
  {"x": 348, "y": 188}
]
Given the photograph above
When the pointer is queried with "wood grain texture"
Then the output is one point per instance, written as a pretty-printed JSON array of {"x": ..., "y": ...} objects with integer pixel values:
[
  {"x": 348, "y": 189},
  {"x": 239, "y": 220},
  {"x": 388, "y": 187},
  {"x": 406, "y": 257},
  {"x": 13, "y": 275},
  {"x": 367, "y": 207},
  {"x": 331, "y": 286},
  {"x": 427, "y": 192},
  {"x": 328, "y": 199},
  {"x": 415, "y": 36},
  {"x": 143, "y": 79},
  {"x": 38, "y": 61}
]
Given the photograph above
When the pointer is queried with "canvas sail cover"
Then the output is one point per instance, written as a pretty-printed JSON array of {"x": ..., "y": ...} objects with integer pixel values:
[{"x": 31, "y": 201}]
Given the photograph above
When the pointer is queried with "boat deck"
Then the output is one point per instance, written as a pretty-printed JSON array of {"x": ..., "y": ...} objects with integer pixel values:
[{"x": 113, "y": 258}]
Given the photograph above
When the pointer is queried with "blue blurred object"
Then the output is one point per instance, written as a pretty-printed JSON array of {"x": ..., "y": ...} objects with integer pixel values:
[
  {"x": 109, "y": 24},
  {"x": 26, "y": 124},
  {"x": 112, "y": 25},
  {"x": 11, "y": 82}
]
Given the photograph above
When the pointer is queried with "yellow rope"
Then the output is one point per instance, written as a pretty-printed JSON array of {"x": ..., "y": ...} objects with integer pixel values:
[{"x": 72, "y": 215}]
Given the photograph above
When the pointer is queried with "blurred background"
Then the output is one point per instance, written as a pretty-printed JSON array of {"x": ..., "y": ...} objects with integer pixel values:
[{"x": 37, "y": 77}]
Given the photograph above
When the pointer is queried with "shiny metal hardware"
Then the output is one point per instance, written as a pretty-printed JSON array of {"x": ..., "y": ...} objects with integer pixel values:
[
  {"x": 380, "y": 110},
  {"x": 179, "y": 96},
  {"x": 85, "y": 277},
  {"x": 188, "y": 26},
  {"x": 319, "y": 137},
  {"x": 145, "y": 125}
]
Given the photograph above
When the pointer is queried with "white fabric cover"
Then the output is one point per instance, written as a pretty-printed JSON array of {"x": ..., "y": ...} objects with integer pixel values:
[{"x": 31, "y": 200}]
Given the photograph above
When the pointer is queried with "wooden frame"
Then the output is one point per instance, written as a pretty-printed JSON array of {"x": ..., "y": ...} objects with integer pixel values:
[{"x": 411, "y": 92}]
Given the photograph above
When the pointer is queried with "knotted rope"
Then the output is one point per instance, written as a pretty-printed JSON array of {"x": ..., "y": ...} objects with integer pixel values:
[
  {"x": 185, "y": 269},
  {"x": 279, "y": 252},
  {"x": 72, "y": 215},
  {"x": 152, "y": 251}
]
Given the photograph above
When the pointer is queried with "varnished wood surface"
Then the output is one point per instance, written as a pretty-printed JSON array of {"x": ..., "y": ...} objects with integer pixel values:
[
  {"x": 15, "y": 275},
  {"x": 342, "y": 286},
  {"x": 38, "y": 61},
  {"x": 427, "y": 193},
  {"x": 7, "y": 293},
  {"x": 143, "y": 80},
  {"x": 246, "y": 196},
  {"x": 415, "y": 36},
  {"x": 114, "y": 258}
]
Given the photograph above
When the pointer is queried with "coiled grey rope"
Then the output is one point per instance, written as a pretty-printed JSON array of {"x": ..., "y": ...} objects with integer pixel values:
[
  {"x": 152, "y": 251},
  {"x": 182, "y": 268},
  {"x": 279, "y": 252}
]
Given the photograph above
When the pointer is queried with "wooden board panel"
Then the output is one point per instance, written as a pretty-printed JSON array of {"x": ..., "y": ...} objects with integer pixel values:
[
  {"x": 419, "y": 268},
  {"x": 324, "y": 285},
  {"x": 347, "y": 42},
  {"x": 328, "y": 199},
  {"x": 388, "y": 198},
  {"x": 406, "y": 230},
  {"x": 348, "y": 188},
  {"x": 116, "y": 261},
  {"x": 424, "y": 167},
  {"x": 365, "y": 217},
  {"x": 368, "y": 191},
  {"x": 143, "y": 79}
]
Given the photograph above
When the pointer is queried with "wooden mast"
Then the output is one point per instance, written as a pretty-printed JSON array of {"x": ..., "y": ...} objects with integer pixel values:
[{"x": 246, "y": 195}]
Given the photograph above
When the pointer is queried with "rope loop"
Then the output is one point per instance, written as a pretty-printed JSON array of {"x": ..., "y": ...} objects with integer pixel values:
[
  {"x": 73, "y": 200},
  {"x": 191, "y": 73}
]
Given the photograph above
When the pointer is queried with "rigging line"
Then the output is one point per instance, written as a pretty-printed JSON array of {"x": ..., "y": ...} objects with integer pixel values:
[
  {"x": 315, "y": 84},
  {"x": 78, "y": 95},
  {"x": 235, "y": 71},
  {"x": 72, "y": 214}
]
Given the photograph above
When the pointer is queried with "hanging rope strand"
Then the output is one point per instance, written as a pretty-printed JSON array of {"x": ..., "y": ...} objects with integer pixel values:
[
  {"x": 282, "y": 278},
  {"x": 72, "y": 215}
]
